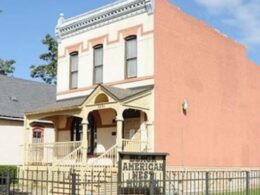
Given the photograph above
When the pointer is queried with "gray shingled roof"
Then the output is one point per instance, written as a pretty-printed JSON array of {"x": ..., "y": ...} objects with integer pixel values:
[
  {"x": 18, "y": 96},
  {"x": 118, "y": 93},
  {"x": 122, "y": 94},
  {"x": 61, "y": 105}
]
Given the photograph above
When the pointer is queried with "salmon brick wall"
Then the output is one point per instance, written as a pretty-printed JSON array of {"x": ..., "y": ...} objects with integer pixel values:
[{"x": 211, "y": 71}]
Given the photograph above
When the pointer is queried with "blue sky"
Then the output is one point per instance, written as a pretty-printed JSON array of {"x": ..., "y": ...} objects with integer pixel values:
[{"x": 23, "y": 23}]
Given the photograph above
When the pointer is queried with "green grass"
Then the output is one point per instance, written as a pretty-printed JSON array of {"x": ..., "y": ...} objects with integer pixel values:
[{"x": 251, "y": 192}]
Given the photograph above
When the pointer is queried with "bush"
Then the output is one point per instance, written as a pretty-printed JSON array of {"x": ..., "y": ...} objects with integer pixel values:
[{"x": 12, "y": 169}]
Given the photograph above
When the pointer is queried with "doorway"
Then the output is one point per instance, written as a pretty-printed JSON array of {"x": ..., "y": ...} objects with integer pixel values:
[
  {"x": 92, "y": 134},
  {"x": 76, "y": 129}
]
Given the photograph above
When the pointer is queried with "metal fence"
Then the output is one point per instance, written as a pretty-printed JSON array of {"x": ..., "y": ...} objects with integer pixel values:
[
  {"x": 213, "y": 183},
  {"x": 104, "y": 182}
]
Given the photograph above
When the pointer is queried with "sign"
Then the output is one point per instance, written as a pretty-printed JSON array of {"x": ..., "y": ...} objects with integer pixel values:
[{"x": 141, "y": 170}]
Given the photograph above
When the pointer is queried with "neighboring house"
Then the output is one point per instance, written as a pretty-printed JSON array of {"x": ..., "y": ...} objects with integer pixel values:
[
  {"x": 140, "y": 75},
  {"x": 16, "y": 97}
]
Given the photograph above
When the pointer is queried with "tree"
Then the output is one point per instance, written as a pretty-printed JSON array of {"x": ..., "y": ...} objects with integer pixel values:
[
  {"x": 47, "y": 72},
  {"x": 7, "y": 67}
]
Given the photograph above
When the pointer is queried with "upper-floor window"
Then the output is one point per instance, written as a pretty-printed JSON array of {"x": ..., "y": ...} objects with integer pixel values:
[
  {"x": 74, "y": 60},
  {"x": 98, "y": 64},
  {"x": 131, "y": 56}
]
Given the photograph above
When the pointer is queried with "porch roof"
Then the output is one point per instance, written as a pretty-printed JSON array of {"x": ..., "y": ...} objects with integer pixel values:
[
  {"x": 73, "y": 103},
  {"x": 122, "y": 94}
]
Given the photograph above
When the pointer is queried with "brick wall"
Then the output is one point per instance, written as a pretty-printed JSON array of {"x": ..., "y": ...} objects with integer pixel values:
[{"x": 211, "y": 71}]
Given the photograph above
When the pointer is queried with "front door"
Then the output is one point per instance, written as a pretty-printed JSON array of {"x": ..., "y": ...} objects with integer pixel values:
[
  {"x": 92, "y": 134},
  {"x": 76, "y": 129}
]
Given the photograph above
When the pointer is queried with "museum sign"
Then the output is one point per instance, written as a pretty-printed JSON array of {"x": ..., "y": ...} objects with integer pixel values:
[{"x": 141, "y": 170}]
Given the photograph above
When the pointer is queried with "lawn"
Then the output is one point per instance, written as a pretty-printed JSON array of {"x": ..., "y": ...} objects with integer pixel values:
[{"x": 251, "y": 192}]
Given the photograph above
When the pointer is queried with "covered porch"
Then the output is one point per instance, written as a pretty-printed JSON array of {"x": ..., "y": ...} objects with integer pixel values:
[{"x": 90, "y": 131}]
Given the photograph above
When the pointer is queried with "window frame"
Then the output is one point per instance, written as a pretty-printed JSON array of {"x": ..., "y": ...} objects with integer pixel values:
[
  {"x": 74, "y": 53},
  {"x": 38, "y": 130},
  {"x": 99, "y": 46},
  {"x": 129, "y": 38}
]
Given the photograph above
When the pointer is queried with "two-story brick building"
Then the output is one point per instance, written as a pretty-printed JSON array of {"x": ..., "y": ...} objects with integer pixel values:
[{"x": 140, "y": 75}]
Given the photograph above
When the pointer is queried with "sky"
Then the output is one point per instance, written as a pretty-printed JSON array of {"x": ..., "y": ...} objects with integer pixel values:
[{"x": 24, "y": 23}]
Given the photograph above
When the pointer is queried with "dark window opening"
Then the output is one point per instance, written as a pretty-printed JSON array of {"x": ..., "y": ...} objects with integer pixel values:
[
  {"x": 98, "y": 64},
  {"x": 74, "y": 70},
  {"x": 131, "y": 56}
]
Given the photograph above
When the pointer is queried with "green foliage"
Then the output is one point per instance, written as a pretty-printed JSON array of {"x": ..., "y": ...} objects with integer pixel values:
[
  {"x": 47, "y": 72},
  {"x": 10, "y": 168},
  {"x": 7, "y": 67}
]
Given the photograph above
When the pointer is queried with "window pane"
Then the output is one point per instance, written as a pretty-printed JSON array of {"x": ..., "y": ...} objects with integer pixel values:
[
  {"x": 98, "y": 56},
  {"x": 37, "y": 137},
  {"x": 132, "y": 68},
  {"x": 98, "y": 74},
  {"x": 74, "y": 63},
  {"x": 131, "y": 48},
  {"x": 74, "y": 80}
]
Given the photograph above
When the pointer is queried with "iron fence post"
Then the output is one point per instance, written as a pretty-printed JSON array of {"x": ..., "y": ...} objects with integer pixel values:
[
  {"x": 207, "y": 183},
  {"x": 151, "y": 185},
  {"x": 73, "y": 183},
  {"x": 247, "y": 182}
]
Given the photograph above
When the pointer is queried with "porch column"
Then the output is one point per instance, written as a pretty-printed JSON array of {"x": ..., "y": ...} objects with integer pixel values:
[
  {"x": 119, "y": 132},
  {"x": 150, "y": 136},
  {"x": 143, "y": 133},
  {"x": 85, "y": 141}
]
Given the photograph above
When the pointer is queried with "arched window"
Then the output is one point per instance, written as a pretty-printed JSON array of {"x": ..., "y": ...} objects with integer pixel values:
[
  {"x": 131, "y": 56},
  {"x": 98, "y": 64}
]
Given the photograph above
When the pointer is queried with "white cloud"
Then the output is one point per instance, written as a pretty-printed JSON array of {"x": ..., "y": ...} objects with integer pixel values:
[
  {"x": 244, "y": 16},
  {"x": 219, "y": 4}
]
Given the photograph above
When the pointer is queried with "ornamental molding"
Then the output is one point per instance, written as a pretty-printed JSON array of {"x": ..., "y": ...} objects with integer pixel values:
[{"x": 102, "y": 16}]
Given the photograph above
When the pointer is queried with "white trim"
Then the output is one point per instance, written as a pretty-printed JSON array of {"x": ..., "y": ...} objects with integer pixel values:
[
  {"x": 21, "y": 120},
  {"x": 43, "y": 121},
  {"x": 102, "y": 16},
  {"x": 10, "y": 118}
]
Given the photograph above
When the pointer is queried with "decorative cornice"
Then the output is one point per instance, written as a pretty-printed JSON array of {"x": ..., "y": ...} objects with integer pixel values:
[{"x": 102, "y": 16}]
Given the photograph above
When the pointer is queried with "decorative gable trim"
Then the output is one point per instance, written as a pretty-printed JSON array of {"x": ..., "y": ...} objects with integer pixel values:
[
  {"x": 90, "y": 101},
  {"x": 140, "y": 101}
]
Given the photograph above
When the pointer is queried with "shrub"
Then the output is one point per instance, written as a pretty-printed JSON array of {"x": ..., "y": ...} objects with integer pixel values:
[{"x": 12, "y": 169}]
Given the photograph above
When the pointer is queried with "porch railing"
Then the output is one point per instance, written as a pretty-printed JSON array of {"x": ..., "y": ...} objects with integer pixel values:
[
  {"x": 72, "y": 153},
  {"x": 73, "y": 159},
  {"x": 107, "y": 159},
  {"x": 130, "y": 145},
  {"x": 47, "y": 153}
]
